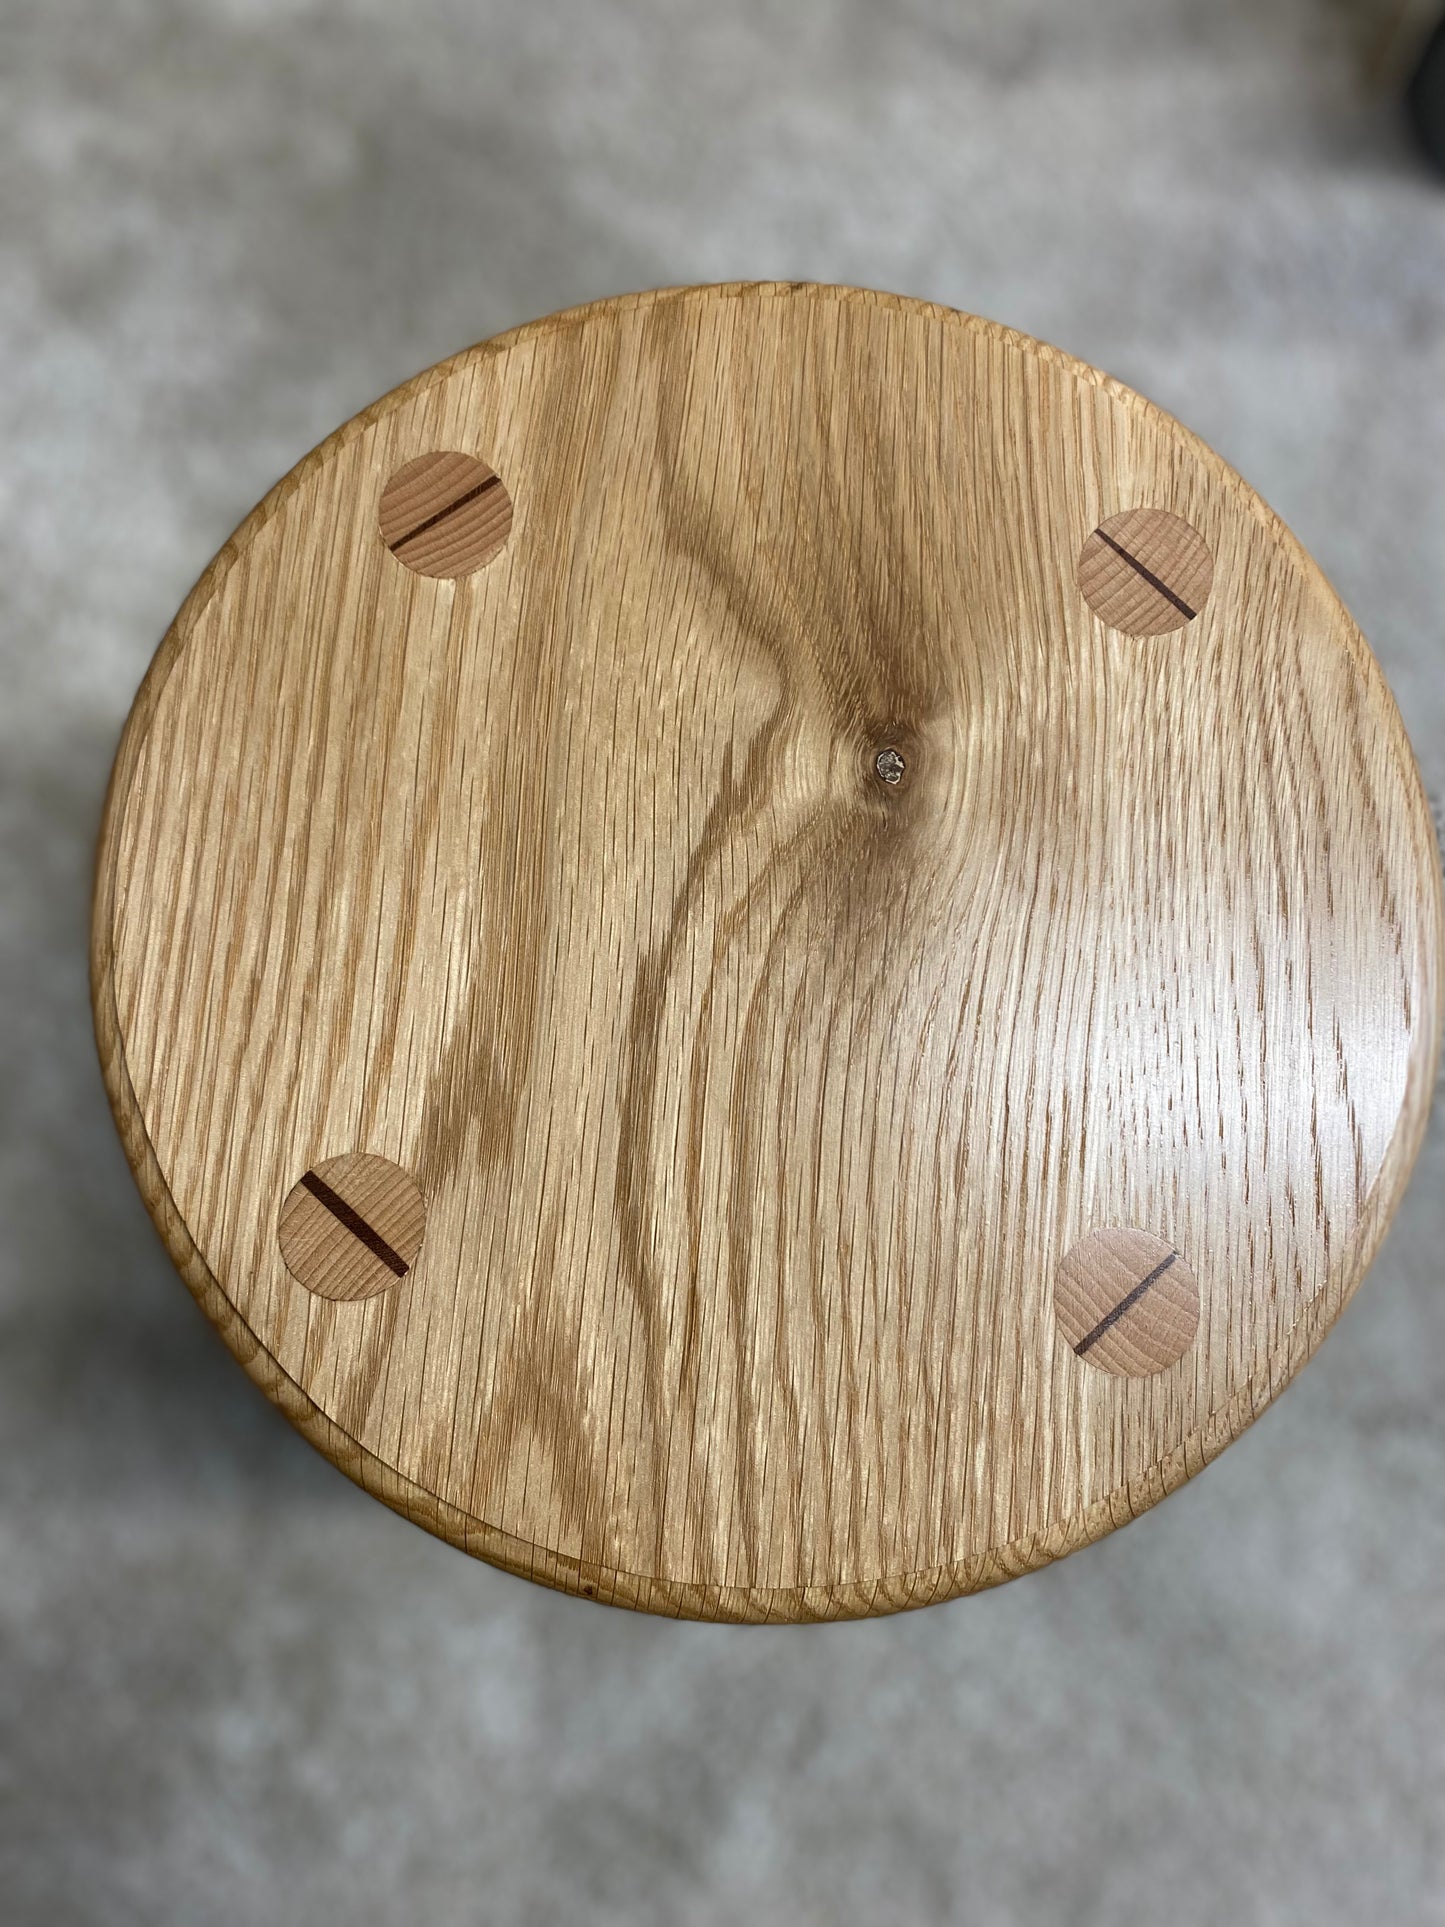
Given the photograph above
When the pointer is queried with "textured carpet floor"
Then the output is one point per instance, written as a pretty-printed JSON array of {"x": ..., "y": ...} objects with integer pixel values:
[{"x": 232, "y": 1688}]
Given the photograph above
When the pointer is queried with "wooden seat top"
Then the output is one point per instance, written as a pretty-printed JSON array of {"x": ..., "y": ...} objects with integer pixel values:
[{"x": 767, "y": 951}]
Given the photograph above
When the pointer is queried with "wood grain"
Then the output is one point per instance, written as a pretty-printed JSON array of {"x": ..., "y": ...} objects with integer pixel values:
[{"x": 756, "y": 1099}]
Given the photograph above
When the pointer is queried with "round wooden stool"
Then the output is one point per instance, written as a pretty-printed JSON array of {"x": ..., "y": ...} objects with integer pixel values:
[{"x": 768, "y": 953}]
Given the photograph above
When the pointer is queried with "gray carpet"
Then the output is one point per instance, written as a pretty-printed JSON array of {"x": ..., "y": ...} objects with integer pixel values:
[{"x": 232, "y": 1688}]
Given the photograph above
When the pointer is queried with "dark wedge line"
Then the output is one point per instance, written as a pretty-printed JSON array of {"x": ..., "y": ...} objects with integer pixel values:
[
  {"x": 1149, "y": 576},
  {"x": 1124, "y": 1304},
  {"x": 492, "y": 481},
  {"x": 355, "y": 1223}
]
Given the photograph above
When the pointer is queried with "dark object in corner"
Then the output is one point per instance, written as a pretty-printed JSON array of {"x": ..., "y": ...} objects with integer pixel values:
[{"x": 1425, "y": 98}]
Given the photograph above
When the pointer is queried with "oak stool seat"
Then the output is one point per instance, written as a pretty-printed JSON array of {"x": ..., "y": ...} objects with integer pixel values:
[{"x": 768, "y": 953}]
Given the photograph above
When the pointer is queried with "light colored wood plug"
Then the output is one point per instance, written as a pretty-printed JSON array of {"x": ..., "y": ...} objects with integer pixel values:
[
  {"x": 351, "y": 1227},
  {"x": 1145, "y": 572}
]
